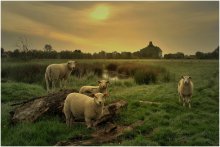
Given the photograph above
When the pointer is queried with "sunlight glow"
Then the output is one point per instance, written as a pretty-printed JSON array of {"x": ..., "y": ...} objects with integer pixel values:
[{"x": 100, "y": 13}]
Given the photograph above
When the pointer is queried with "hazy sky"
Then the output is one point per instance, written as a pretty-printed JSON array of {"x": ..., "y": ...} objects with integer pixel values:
[{"x": 112, "y": 26}]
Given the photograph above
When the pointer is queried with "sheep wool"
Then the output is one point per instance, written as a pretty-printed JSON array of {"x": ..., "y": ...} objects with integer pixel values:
[
  {"x": 102, "y": 88},
  {"x": 79, "y": 106},
  {"x": 58, "y": 73},
  {"x": 185, "y": 90}
]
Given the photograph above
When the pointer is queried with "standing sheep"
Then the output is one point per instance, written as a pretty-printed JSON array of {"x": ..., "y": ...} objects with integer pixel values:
[
  {"x": 102, "y": 88},
  {"x": 78, "y": 106},
  {"x": 58, "y": 72},
  {"x": 185, "y": 90}
]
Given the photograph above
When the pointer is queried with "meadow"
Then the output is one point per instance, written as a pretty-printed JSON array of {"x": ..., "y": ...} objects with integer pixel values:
[{"x": 168, "y": 123}]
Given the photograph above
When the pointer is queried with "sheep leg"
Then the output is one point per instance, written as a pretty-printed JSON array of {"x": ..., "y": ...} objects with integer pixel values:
[
  {"x": 88, "y": 122},
  {"x": 184, "y": 101},
  {"x": 61, "y": 84},
  {"x": 64, "y": 83},
  {"x": 47, "y": 83},
  {"x": 68, "y": 119},
  {"x": 53, "y": 85},
  {"x": 180, "y": 99},
  {"x": 71, "y": 120},
  {"x": 189, "y": 102}
]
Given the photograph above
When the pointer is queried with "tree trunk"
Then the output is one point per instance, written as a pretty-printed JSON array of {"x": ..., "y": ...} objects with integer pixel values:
[{"x": 33, "y": 109}]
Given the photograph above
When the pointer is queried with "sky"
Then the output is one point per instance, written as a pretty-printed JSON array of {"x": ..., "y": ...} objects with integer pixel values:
[{"x": 174, "y": 26}]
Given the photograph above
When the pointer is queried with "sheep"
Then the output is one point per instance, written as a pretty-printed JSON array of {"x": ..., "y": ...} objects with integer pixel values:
[
  {"x": 58, "y": 72},
  {"x": 185, "y": 90},
  {"x": 102, "y": 88},
  {"x": 79, "y": 106}
]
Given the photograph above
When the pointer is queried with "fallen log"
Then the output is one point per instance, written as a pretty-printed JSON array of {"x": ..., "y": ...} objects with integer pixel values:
[
  {"x": 31, "y": 110},
  {"x": 110, "y": 111},
  {"x": 104, "y": 135}
]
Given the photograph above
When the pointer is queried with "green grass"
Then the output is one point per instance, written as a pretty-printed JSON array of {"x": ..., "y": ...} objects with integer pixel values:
[
  {"x": 20, "y": 91},
  {"x": 166, "y": 124}
]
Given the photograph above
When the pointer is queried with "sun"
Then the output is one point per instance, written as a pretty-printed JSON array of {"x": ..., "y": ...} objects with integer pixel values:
[{"x": 100, "y": 12}]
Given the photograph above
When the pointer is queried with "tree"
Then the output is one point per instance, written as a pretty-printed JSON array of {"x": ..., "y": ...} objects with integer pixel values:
[
  {"x": 2, "y": 50},
  {"x": 48, "y": 47},
  {"x": 215, "y": 53},
  {"x": 23, "y": 44},
  {"x": 200, "y": 55}
]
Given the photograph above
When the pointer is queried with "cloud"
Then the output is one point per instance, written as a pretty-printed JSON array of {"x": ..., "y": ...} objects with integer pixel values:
[{"x": 174, "y": 26}]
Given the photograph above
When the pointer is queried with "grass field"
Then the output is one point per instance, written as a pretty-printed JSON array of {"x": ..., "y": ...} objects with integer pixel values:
[{"x": 166, "y": 124}]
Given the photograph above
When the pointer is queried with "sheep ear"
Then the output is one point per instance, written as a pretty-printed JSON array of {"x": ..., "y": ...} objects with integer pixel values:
[
  {"x": 106, "y": 94},
  {"x": 99, "y": 81},
  {"x": 93, "y": 95},
  {"x": 190, "y": 77},
  {"x": 182, "y": 77},
  {"x": 107, "y": 82}
]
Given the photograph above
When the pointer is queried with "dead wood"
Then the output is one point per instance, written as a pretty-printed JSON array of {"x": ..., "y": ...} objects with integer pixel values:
[
  {"x": 35, "y": 108},
  {"x": 32, "y": 109},
  {"x": 109, "y": 133}
]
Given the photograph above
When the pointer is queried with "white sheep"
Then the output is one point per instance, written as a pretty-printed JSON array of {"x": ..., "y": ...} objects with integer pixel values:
[
  {"x": 102, "y": 88},
  {"x": 58, "y": 72},
  {"x": 79, "y": 106},
  {"x": 185, "y": 90}
]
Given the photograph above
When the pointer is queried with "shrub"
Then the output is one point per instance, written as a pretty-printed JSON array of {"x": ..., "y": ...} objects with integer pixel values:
[
  {"x": 166, "y": 77},
  {"x": 84, "y": 69},
  {"x": 34, "y": 73},
  {"x": 127, "y": 69},
  {"x": 29, "y": 73},
  {"x": 145, "y": 76},
  {"x": 112, "y": 67}
]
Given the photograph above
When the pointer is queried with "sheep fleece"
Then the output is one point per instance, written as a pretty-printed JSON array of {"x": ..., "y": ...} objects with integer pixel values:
[{"x": 82, "y": 106}]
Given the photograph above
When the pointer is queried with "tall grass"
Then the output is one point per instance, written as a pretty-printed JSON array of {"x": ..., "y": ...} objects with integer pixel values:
[
  {"x": 142, "y": 73},
  {"x": 20, "y": 91},
  {"x": 34, "y": 72},
  {"x": 168, "y": 123}
]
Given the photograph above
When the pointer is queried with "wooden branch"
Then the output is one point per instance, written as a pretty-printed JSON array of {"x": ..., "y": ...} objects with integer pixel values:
[
  {"x": 32, "y": 109},
  {"x": 104, "y": 135},
  {"x": 110, "y": 111}
]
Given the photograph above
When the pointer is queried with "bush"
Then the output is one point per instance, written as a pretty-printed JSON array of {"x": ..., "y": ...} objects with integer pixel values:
[
  {"x": 29, "y": 73},
  {"x": 128, "y": 69},
  {"x": 84, "y": 69},
  {"x": 34, "y": 73},
  {"x": 112, "y": 67},
  {"x": 145, "y": 76}
]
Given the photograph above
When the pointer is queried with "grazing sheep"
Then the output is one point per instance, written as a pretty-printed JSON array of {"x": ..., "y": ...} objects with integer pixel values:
[
  {"x": 78, "y": 106},
  {"x": 185, "y": 90},
  {"x": 58, "y": 72},
  {"x": 102, "y": 88}
]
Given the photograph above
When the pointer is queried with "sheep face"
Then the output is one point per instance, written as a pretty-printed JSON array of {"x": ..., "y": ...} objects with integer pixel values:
[
  {"x": 186, "y": 79},
  {"x": 103, "y": 84},
  {"x": 99, "y": 98},
  {"x": 71, "y": 64}
]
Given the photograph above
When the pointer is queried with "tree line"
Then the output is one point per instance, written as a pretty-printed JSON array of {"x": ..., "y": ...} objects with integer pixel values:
[
  {"x": 197, "y": 55},
  {"x": 49, "y": 53}
]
